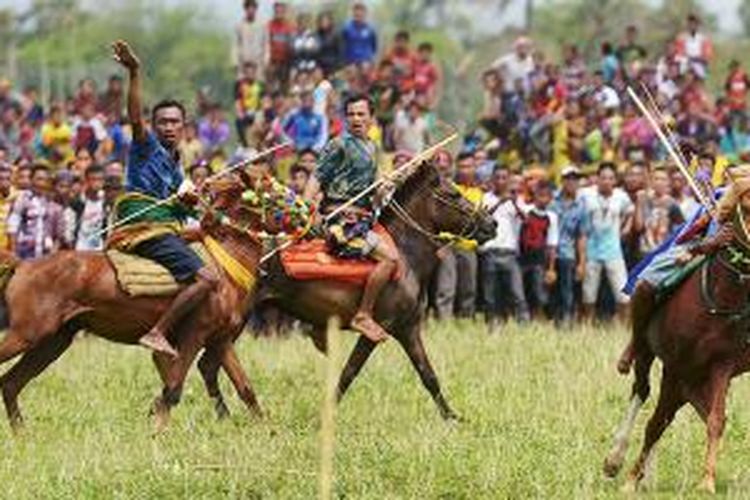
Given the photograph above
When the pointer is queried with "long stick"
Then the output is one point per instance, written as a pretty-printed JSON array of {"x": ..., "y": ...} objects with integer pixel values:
[
  {"x": 662, "y": 119},
  {"x": 422, "y": 156},
  {"x": 675, "y": 157},
  {"x": 173, "y": 197}
]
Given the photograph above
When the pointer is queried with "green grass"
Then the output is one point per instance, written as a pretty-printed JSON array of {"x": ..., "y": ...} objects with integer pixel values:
[{"x": 540, "y": 407}]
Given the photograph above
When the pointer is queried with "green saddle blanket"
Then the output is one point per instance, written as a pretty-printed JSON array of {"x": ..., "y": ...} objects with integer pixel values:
[{"x": 672, "y": 282}]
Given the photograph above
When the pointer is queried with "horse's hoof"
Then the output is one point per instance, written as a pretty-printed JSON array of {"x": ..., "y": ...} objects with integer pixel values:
[
  {"x": 630, "y": 487},
  {"x": 222, "y": 412},
  {"x": 453, "y": 417},
  {"x": 612, "y": 466},
  {"x": 708, "y": 485}
]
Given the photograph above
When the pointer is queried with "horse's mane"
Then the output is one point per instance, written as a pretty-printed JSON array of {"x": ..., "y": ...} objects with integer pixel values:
[{"x": 410, "y": 186}]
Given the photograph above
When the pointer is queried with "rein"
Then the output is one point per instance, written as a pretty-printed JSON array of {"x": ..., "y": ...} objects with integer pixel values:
[{"x": 735, "y": 315}]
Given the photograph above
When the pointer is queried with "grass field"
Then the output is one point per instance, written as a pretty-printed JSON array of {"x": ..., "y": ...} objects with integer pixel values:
[{"x": 539, "y": 406}]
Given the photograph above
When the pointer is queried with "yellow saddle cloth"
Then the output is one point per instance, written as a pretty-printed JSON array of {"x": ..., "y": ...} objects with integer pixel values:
[{"x": 141, "y": 277}]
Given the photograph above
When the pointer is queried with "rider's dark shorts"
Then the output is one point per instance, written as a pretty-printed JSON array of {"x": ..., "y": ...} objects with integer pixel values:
[{"x": 173, "y": 253}]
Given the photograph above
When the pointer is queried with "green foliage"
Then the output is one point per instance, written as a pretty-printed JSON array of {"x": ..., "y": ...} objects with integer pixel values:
[{"x": 183, "y": 48}]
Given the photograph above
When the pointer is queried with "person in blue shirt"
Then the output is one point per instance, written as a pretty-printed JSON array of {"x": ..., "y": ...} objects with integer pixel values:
[
  {"x": 306, "y": 128},
  {"x": 154, "y": 174},
  {"x": 360, "y": 39}
]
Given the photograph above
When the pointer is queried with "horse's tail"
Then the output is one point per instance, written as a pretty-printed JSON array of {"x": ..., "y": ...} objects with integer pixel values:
[{"x": 8, "y": 265}]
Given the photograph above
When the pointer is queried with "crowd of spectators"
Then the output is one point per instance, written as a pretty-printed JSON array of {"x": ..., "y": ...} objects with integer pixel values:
[{"x": 575, "y": 177}]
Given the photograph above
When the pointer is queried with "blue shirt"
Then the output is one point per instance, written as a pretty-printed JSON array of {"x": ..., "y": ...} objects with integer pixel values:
[
  {"x": 604, "y": 218},
  {"x": 152, "y": 170},
  {"x": 360, "y": 42},
  {"x": 573, "y": 225},
  {"x": 306, "y": 129}
]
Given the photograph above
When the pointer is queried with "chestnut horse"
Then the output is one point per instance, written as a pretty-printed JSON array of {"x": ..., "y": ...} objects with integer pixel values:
[
  {"x": 700, "y": 335},
  {"x": 50, "y": 299},
  {"x": 422, "y": 207}
]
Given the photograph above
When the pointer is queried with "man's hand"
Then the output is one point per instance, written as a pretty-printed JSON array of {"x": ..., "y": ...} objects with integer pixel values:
[
  {"x": 123, "y": 54},
  {"x": 684, "y": 258},
  {"x": 580, "y": 272}
]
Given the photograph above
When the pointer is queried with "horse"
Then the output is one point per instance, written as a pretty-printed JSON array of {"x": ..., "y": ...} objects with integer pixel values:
[
  {"x": 422, "y": 207},
  {"x": 699, "y": 334},
  {"x": 52, "y": 298}
]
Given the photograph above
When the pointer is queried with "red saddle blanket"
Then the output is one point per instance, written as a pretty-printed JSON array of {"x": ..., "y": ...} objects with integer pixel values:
[{"x": 310, "y": 260}]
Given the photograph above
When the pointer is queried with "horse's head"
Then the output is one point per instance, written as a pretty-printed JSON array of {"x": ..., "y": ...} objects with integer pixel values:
[
  {"x": 255, "y": 203},
  {"x": 436, "y": 204}
]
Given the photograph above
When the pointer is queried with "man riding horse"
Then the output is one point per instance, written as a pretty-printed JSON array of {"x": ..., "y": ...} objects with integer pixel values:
[
  {"x": 154, "y": 174},
  {"x": 348, "y": 166},
  {"x": 645, "y": 284}
]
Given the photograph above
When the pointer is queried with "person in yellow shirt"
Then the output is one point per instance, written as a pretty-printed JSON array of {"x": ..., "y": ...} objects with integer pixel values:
[
  {"x": 465, "y": 250},
  {"x": 56, "y": 138}
]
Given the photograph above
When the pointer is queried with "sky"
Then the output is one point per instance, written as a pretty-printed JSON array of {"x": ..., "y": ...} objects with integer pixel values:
[{"x": 229, "y": 10}]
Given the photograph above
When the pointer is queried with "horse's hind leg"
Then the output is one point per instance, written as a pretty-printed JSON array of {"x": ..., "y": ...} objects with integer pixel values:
[
  {"x": 232, "y": 366},
  {"x": 715, "y": 397},
  {"x": 31, "y": 364},
  {"x": 671, "y": 399},
  {"x": 412, "y": 344},
  {"x": 209, "y": 365},
  {"x": 354, "y": 364}
]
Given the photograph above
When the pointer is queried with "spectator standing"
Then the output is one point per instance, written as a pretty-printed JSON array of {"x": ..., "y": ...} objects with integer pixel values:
[
  {"x": 661, "y": 214},
  {"x": 190, "y": 147},
  {"x": 517, "y": 64},
  {"x": 538, "y": 249},
  {"x": 280, "y": 33},
  {"x": 213, "y": 130},
  {"x": 90, "y": 211},
  {"x": 359, "y": 38},
  {"x": 250, "y": 40},
  {"x": 329, "y": 43},
  {"x": 56, "y": 138},
  {"x": 10, "y": 131},
  {"x": 571, "y": 251},
  {"x": 305, "y": 44},
  {"x": 410, "y": 129},
  {"x": 681, "y": 195},
  {"x": 111, "y": 101},
  {"x": 248, "y": 91},
  {"x": 403, "y": 59},
  {"x": 85, "y": 96},
  {"x": 298, "y": 178},
  {"x": 631, "y": 53},
  {"x": 35, "y": 225},
  {"x": 609, "y": 212},
  {"x": 465, "y": 250},
  {"x": 427, "y": 75},
  {"x": 304, "y": 127},
  {"x": 88, "y": 130},
  {"x": 609, "y": 65},
  {"x": 502, "y": 280},
  {"x": 695, "y": 45},
  {"x": 736, "y": 86}
]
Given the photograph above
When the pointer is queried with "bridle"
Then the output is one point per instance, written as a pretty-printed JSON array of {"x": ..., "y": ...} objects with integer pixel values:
[{"x": 440, "y": 239}]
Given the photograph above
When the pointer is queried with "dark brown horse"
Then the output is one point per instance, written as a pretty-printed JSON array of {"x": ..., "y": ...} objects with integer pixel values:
[
  {"x": 50, "y": 299},
  {"x": 423, "y": 206},
  {"x": 701, "y": 336}
]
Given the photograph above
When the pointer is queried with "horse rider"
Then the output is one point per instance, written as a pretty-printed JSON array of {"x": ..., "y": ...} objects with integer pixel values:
[
  {"x": 154, "y": 174},
  {"x": 346, "y": 167},
  {"x": 682, "y": 249}
]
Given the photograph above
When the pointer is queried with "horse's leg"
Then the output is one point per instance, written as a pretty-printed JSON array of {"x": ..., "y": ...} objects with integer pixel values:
[
  {"x": 639, "y": 395},
  {"x": 412, "y": 344},
  {"x": 31, "y": 364},
  {"x": 354, "y": 364},
  {"x": 175, "y": 371},
  {"x": 232, "y": 366},
  {"x": 208, "y": 365},
  {"x": 671, "y": 399},
  {"x": 716, "y": 396}
]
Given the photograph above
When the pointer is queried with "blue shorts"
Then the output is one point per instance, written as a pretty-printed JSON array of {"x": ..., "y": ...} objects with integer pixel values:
[{"x": 172, "y": 252}]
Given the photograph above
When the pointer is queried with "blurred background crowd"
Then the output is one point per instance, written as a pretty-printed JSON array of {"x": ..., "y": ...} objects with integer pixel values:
[{"x": 551, "y": 143}]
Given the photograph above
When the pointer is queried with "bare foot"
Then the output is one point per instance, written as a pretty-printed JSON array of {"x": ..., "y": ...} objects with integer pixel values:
[
  {"x": 368, "y": 327},
  {"x": 158, "y": 343}
]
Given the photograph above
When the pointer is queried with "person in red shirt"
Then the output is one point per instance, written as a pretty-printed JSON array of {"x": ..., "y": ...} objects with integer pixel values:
[
  {"x": 403, "y": 59},
  {"x": 281, "y": 33},
  {"x": 426, "y": 75},
  {"x": 737, "y": 86}
]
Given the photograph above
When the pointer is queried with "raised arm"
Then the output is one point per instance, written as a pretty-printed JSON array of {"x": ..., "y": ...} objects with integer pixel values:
[{"x": 124, "y": 55}]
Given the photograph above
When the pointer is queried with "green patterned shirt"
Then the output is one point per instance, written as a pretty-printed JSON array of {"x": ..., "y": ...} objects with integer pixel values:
[{"x": 347, "y": 166}]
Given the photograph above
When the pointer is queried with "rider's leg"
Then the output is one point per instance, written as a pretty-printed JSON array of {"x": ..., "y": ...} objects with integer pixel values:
[
  {"x": 188, "y": 298},
  {"x": 387, "y": 263}
]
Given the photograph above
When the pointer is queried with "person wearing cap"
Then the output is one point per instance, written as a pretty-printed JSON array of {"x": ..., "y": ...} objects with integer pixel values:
[{"x": 571, "y": 251}]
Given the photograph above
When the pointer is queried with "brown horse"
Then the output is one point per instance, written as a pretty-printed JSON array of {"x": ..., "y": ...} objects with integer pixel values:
[
  {"x": 52, "y": 298},
  {"x": 700, "y": 335},
  {"x": 423, "y": 206}
]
